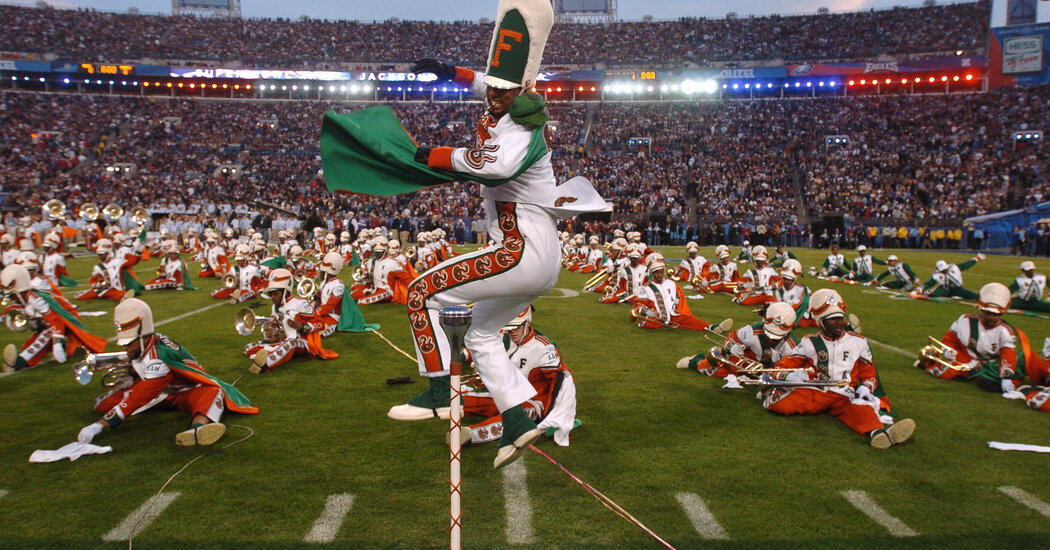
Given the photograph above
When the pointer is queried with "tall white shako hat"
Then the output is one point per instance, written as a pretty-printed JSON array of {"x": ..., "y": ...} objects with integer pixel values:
[{"x": 522, "y": 27}]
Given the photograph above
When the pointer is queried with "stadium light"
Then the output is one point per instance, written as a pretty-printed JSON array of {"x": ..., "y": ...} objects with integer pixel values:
[
  {"x": 820, "y": 84},
  {"x": 809, "y": 84},
  {"x": 580, "y": 89},
  {"x": 593, "y": 89},
  {"x": 283, "y": 88},
  {"x": 833, "y": 84},
  {"x": 708, "y": 86},
  {"x": 955, "y": 78},
  {"x": 797, "y": 84},
  {"x": 306, "y": 87},
  {"x": 295, "y": 87},
  {"x": 969, "y": 77},
  {"x": 735, "y": 86},
  {"x": 180, "y": 84},
  {"x": 887, "y": 81},
  {"x": 850, "y": 82},
  {"x": 342, "y": 88},
  {"x": 944, "y": 79},
  {"x": 236, "y": 86},
  {"x": 99, "y": 82},
  {"x": 558, "y": 89},
  {"x": 932, "y": 80},
  {"x": 863, "y": 81},
  {"x": 638, "y": 87},
  {"x": 247, "y": 86}
]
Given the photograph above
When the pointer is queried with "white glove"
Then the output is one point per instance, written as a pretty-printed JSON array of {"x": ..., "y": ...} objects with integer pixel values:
[
  {"x": 1009, "y": 391},
  {"x": 87, "y": 433},
  {"x": 950, "y": 354},
  {"x": 732, "y": 383},
  {"x": 863, "y": 396},
  {"x": 798, "y": 376},
  {"x": 862, "y": 392},
  {"x": 973, "y": 364},
  {"x": 980, "y": 256}
]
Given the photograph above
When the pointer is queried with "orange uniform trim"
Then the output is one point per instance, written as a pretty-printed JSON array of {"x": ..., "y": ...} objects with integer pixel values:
[
  {"x": 464, "y": 77},
  {"x": 440, "y": 158}
]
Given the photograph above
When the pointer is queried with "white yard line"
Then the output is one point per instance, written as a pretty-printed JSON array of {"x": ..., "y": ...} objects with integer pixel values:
[
  {"x": 901, "y": 351},
  {"x": 152, "y": 508},
  {"x": 861, "y": 501},
  {"x": 702, "y": 519},
  {"x": 1027, "y": 499},
  {"x": 516, "y": 503},
  {"x": 327, "y": 526},
  {"x": 3, "y": 493}
]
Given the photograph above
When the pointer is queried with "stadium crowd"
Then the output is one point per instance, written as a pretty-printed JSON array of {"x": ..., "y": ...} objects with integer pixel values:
[{"x": 93, "y": 36}]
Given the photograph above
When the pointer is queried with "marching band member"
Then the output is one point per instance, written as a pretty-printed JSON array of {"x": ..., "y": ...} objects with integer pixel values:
[
  {"x": 595, "y": 257},
  {"x": 863, "y": 266},
  {"x": 230, "y": 239},
  {"x": 635, "y": 237},
  {"x": 248, "y": 279},
  {"x": 299, "y": 264},
  {"x": 8, "y": 252},
  {"x": 745, "y": 253},
  {"x": 131, "y": 252},
  {"x": 330, "y": 293},
  {"x": 55, "y": 262},
  {"x": 284, "y": 242},
  {"x": 693, "y": 266},
  {"x": 903, "y": 276},
  {"x": 53, "y": 320},
  {"x": 834, "y": 354},
  {"x": 984, "y": 347},
  {"x": 214, "y": 262},
  {"x": 780, "y": 255},
  {"x": 366, "y": 285},
  {"x": 947, "y": 280},
  {"x": 758, "y": 281},
  {"x": 616, "y": 261},
  {"x": 106, "y": 281},
  {"x": 37, "y": 281},
  {"x": 793, "y": 293},
  {"x": 172, "y": 271},
  {"x": 317, "y": 245},
  {"x": 364, "y": 250},
  {"x": 329, "y": 244},
  {"x": 553, "y": 408},
  {"x": 765, "y": 342},
  {"x": 662, "y": 303},
  {"x": 630, "y": 278},
  {"x": 389, "y": 278},
  {"x": 726, "y": 276},
  {"x": 426, "y": 258},
  {"x": 835, "y": 264},
  {"x": 1028, "y": 290},
  {"x": 346, "y": 248},
  {"x": 299, "y": 330},
  {"x": 394, "y": 251},
  {"x": 1037, "y": 397},
  {"x": 578, "y": 254},
  {"x": 163, "y": 374}
]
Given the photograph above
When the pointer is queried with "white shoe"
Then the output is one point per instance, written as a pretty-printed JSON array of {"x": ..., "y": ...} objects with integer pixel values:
[
  {"x": 723, "y": 327},
  {"x": 10, "y": 356},
  {"x": 510, "y": 453},
  {"x": 464, "y": 436},
  {"x": 412, "y": 412},
  {"x": 683, "y": 363},
  {"x": 201, "y": 435}
]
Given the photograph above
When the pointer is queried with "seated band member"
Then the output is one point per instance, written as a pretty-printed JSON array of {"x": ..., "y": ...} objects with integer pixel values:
[
  {"x": 106, "y": 277},
  {"x": 834, "y": 354},
  {"x": 985, "y": 347},
  {"x": 725, "y": 276},
  {"x": 781, "y": 255},
  {"x": 1029, "y": 289},
  {"x": 765, "y": 342},
  {"x": 55, "y": 326},
  {"x": 863, "y": 266},
  {"x": 835, "y": 264},
  {"x": 595, "y": 257},
  {"x": 629, "y": 279},
  {"x": 947, "y": 280},
  {"x": 214, "y": 263},
  {"x": 172, "y": 272},
  {"x": 903, "y": 277},
  {"x": 55, "y": 262},
  {"x": 330, "y": 292},
  {"x": 794, "y": 293},
  {"x": 163, "y": 374},
  {"x": 385, "y": 270},
  {"x": 757, "y": 284},
  {"x": 248, "y": 279},
  {"x": 1037, "y": 396},
  {"x": 365, "y": 284},
  {"x": 298, "y": 264},
  {"x": 297, "y": 333},
  {"x": 553, "y": 408},
  {"x": 746, "y": 252},
  {"x": 662, "y": 304},
  {"x": 37, "y": 281},
  {"x": 694, "y": 268}
]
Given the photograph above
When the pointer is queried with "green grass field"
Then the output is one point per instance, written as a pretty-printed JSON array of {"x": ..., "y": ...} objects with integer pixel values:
[{"x": 650, "y": 433}]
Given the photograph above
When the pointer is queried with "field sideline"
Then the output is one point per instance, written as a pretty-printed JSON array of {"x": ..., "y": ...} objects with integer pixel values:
[{"x": 665, "y": 444}]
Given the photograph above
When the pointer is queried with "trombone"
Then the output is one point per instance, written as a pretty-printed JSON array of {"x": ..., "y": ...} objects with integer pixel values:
[
  {"x": 596, "y": 280},
  {"x": 113, "y": 367},
  {"x": 642, "y": 314},
  {"x": 934, "y": 352}
]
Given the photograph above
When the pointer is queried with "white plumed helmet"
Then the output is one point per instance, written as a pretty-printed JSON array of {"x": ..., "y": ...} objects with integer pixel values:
[
  {"x": 332, "y": 263},
  {"x": 133, "y": 319},
  {"x": 280, "y": 279},
  {"x": 791, "y": 269},
  {"x": 14, "y": 278},
  {"x": 826, "y": 303},
  {"x": 994, "y": 297},
  {"x": 104, "y": 246},
  {"x": 779, "y": 319}
]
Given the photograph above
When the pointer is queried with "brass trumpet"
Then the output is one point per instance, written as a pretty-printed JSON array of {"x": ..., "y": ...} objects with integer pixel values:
[
  {"x": 935, "y": 351},
  {"x": 54, "y": 210},
  {"x": 114, "y": 366},
  {"x": 229, "y": 280},
  {"x": 89, "y": 212},
  {"x": 112, "y": 212}
]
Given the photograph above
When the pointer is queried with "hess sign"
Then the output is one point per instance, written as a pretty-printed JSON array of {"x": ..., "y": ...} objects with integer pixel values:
[{"x": 92, "y": 68}]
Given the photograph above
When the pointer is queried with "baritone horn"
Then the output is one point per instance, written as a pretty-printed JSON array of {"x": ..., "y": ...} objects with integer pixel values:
[
  {"x": 89, "y": 212},
  {"x": 112, "y": 212},
  {"x": 305, "y": 288},
  {"x": 17, "y": 321},
  {"x": 411, "y": 254},
  {"x": 54, "y": 210},
  {"x": 229, "y": 280},
  {"x": 935, "y": 352},
  {"x": 139, "y": 215},
  {"x": 113, "y": 366}
]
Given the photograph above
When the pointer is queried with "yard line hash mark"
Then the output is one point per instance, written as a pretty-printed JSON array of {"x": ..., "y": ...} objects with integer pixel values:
[
  {"x": 1026, "y": 498},
  {"x": 516, "y": 503},
  {"x": 701, "y": 517},
  {"x": 327, "y": 526},
  {"x": 152, "y": 508},
  {"x": 861, "y": 501}
]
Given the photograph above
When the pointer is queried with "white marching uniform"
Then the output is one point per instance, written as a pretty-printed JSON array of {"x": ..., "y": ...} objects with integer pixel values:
[
  {"x": 952, "y": 278},
  {"x": 333, "y": 289},
  {"x": 1031, "y": 288},
  {"x": 695, "y": 266},
  {"x": 841, "y": 357},
  {"x": 745, "y": 338},
  {"x": 51, "y": 264},
  {"x": 10, "y": 256}
]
